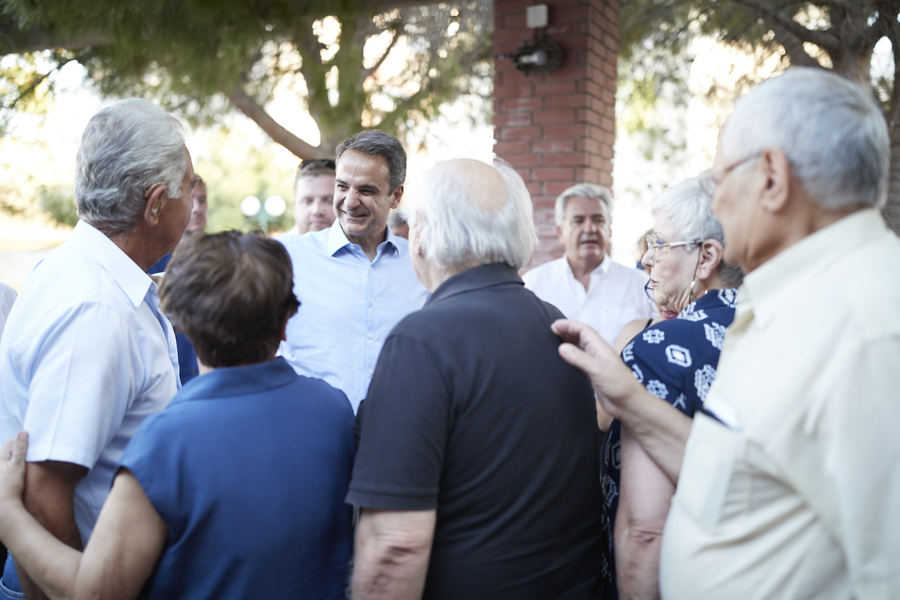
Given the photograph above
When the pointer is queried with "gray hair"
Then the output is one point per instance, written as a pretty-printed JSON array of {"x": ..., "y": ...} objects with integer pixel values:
[
  {"x": 456, "y": 232},
  {"x": 126, "y": 148},
  {"x": 377, "y": 143},
  {"x": 688, "y": 207},
  {"x": 582, "y": 190},
  {"x": 397, "y": 217},
  {"x": 831, "y": 131}
]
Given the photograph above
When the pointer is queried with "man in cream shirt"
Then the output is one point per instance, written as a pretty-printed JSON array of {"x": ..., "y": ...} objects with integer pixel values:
[{"x": 789, "y": 483}]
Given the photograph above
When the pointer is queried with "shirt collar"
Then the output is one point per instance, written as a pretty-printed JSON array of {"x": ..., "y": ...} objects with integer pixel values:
[
  {"x": 240, "y": 380},
  {"x": 337, "y": 240},
  {"x": 599, "y": 271},
  {"x": 766, "y": 288},
  {"x": 475, "y": 278},
  {"x": 124, "y": 271}
]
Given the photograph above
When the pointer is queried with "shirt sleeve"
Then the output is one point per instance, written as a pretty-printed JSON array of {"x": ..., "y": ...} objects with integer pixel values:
[
  {"x": 404, "y": 428},
  {"x": 664, "y": 365},
  {"x": 82, "y": 379}
]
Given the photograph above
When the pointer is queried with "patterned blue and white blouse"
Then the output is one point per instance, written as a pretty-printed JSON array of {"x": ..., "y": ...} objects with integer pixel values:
[{"x": 675, "y": 360}]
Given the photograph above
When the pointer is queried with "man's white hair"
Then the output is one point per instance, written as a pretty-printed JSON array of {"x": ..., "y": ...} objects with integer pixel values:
[
  {"x": 581, "y": 190},
  {"x": 831, "y": 130},
  {"x": 456, "y": 232},
  {"x": 126, "y": 148}
]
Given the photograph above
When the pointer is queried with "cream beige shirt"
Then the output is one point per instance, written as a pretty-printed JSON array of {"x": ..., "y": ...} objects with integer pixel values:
[{"x": 799, "y": 497}]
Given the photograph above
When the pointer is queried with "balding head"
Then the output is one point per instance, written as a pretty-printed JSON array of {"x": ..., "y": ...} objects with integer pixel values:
[{"x": 470, "y": 213}]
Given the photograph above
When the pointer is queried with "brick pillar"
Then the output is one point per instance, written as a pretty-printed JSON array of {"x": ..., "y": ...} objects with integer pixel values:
[{"x": 557, "y": 128}]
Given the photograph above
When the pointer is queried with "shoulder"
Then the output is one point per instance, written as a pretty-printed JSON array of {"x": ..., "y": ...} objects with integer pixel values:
[{"x": 539, "y": 274}]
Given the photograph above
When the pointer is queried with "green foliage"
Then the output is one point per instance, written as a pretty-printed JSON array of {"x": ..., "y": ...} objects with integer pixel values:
[
  {"x": 57, "y": 202},
  {"x": 193, "y": 56},
  {"x": 235, "y": 168}
]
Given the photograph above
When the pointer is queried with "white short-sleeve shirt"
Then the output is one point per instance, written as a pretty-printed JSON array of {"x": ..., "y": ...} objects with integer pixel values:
[
  {"x": 615, "y": 294},
  {"x": 86, "y": 355}
]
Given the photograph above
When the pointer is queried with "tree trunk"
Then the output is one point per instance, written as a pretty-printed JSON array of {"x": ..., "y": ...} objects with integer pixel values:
[
  {"x": 247, "y": 105},
  {"x": 891, "y": 210}
]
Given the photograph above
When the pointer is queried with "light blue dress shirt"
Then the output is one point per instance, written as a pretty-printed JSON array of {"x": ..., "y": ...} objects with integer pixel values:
[
  {"x": 348, "y": 305},
  {"x": 85, "y": 357}
]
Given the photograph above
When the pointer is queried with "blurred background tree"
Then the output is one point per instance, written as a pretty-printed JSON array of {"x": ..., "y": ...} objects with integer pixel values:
[
  {"x": 840, "y": 35},
  {"x": 349, "y": 64}
]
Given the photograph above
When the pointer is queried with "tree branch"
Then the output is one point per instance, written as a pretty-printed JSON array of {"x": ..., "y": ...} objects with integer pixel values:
[
  {"x": 771, "y": 15},
  {"x": 797, "y": 54},
  {"x": 384, "y": 55},
  {"x": 247, "y": 105}
]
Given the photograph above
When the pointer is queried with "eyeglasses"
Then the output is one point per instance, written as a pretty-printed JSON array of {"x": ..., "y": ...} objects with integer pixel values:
[
  {"x": 710, "y": 178},
  {"x": 319, "y": 162},
  {"x": 657, "y": 247}
]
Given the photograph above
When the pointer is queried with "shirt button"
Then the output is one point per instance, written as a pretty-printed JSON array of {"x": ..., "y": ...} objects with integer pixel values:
[
  {"x": 372, "y": 301},
  {"x": 371, "y": 336}
]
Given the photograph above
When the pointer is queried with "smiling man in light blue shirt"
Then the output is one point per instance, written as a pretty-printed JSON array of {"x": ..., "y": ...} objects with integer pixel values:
[{"x": 354, "y": 280}]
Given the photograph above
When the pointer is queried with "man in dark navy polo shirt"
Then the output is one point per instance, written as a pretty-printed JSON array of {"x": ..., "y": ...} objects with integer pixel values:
[{"x": 477, "y": 470}]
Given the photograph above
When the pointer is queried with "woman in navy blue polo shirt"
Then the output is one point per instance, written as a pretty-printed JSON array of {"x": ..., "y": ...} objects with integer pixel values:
[{"x": 236, "y": 490}]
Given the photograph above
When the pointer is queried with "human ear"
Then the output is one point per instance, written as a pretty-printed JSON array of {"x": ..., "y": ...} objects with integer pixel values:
[
  {"x": 777, "y": 170},
  {"x": 711, "y": 254},
  {"x": 155, "y": 203},
  {"x": 396, "y": 196}
]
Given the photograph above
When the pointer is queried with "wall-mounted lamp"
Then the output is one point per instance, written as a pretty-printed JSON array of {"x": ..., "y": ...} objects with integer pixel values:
[{"x": 541, "y": 55}]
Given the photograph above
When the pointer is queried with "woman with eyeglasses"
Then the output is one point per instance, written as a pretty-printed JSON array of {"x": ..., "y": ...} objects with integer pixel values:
[{"x": 675, "y": 359}]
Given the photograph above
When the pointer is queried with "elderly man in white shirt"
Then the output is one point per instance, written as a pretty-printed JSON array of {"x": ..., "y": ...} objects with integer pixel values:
[
  {"x": 585, "y": 283},
  {"x": 87, "y": 354},
  {"x": 789, "y": 482}
]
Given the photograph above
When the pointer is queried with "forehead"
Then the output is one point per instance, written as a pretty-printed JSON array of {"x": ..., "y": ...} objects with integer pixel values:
[
  {"x": 316, "y": 185},
  {"x": 585, "y": 206},
  {"x": 359, "y": 168}
]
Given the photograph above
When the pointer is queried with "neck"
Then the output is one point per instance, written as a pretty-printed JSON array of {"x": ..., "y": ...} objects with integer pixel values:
[
  {"x": 805, "y": 219},
  {"x": 369, "y": 244},
  {"x": 137, "y": 248},
  {"x": 582, "y": 270}
]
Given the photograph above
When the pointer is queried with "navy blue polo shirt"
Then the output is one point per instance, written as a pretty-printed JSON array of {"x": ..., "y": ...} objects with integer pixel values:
[
  {"x": 472, "y": 412},
  {"x": 248, "y": 467}
]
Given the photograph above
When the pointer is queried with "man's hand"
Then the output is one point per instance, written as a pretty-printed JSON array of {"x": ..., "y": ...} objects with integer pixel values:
[
  {"x": 12, "y": 478},
  {"x": 582, "y": 347}
]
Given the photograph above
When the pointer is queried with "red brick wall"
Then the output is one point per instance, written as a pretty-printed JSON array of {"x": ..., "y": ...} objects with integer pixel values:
[{"x": 558, "y": 128}]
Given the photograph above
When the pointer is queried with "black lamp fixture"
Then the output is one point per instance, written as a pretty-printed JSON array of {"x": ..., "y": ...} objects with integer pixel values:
[{"x": 541, "y": 55}]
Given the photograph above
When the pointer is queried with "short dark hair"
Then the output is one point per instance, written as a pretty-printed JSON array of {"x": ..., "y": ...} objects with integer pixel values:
[
  {"x": 312, "y": 168},
  {"x": 378, "y": 143},
  {"x": 231, "y": 293}
]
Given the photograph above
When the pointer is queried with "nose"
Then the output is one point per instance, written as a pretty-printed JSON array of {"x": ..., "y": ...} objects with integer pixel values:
[
  {"x": 351, "y": 198},
  {"x": 647, "y": 259}
]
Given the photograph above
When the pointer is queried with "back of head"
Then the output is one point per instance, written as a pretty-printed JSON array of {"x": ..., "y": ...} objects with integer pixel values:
[
  {"x": 377, "y": 143},
  {"x": 687, "y": 206},
  {"x": 831, "y": 130},
  {"x": 470, "y": 213},
  {"x": 126, "y": 148},
  {"x": 581, "y": 190},
  {"x": 231, "y": 292}
]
